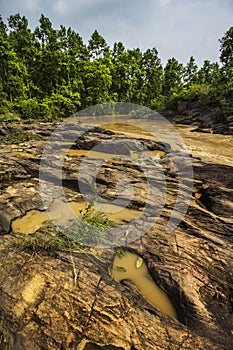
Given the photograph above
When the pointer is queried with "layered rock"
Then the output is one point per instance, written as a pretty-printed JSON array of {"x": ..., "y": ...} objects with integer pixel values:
[{"x": 64, "y": 300}]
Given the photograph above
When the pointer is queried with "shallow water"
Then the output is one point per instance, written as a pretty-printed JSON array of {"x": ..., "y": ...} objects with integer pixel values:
[
  {"x": 209, "y": 147},
  {"x": 23, "y": 154},
  {"x": 106, "y": 156},
  {"x": 31, "y": 222},
  {"x": 34, "y": 219},
  {"x": 124, "y": 268},
  {"x": 89, "y": 154}
]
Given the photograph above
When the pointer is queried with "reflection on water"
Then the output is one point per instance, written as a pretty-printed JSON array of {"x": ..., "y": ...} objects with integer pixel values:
[{"x": 130, "y": 267}]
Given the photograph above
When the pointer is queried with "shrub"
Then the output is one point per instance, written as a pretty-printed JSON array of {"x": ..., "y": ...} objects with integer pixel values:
[
  {"x": 28, "y": 109},
  {"x": 5, "y": 106},
  {"x": 64, "y": 106}
]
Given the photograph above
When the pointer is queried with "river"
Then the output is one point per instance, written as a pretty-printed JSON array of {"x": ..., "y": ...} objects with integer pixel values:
[{"x": 215, "y": 148}]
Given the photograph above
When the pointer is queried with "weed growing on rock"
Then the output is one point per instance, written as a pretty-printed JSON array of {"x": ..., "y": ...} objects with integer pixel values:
[
  {"x": 120, "y": 252},
  {"x": 18, "y": 137},
  {"x": 5, "y": 176},
  {"x": 91, "y": 227},
  {"x": 45, "y": 242}
]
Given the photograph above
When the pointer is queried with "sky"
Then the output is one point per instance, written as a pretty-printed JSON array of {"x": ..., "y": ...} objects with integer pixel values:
[{"x": 177, "y": 28}]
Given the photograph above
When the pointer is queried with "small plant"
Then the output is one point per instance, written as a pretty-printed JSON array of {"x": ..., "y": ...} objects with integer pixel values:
[
  {"x": 120, "y": 269},
  {"x": 18, "y": 137},
  {"x": 120, "y": 252},
  {"x": 45, "y": 242},
  {"x": 90, "y": 227},
  {"x": 5, "y": 176}
]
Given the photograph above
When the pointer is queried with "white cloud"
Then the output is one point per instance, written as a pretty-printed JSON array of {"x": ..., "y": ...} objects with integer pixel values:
[
  {"x": 178, "y": 28},
  {"x": 165, "y": 2}
]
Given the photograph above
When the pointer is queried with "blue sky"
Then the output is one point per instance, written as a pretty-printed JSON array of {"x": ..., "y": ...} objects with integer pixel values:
[{"x": 178, "y": 28}]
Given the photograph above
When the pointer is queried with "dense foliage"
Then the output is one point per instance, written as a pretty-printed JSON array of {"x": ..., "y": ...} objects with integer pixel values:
[{"x": 50, "y": 73}]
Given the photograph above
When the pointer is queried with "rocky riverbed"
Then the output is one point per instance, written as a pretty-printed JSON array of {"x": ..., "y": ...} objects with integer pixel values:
[
  {"x": 68, "y": 300},
  {"x": 205, "y": 120}
]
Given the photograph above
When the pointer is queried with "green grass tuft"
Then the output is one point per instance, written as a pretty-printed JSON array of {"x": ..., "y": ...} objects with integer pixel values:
[{"x": 18, "y": 137}]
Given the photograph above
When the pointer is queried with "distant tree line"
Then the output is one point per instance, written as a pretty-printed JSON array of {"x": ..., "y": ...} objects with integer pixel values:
[{"x": 50, "y": 73}]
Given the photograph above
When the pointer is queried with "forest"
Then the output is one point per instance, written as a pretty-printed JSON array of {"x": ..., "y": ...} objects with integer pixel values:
[{"x": 49, "y": 73}]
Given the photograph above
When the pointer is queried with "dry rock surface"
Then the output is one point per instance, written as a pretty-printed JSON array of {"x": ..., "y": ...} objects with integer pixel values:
[{"x": 68, "y": 300}]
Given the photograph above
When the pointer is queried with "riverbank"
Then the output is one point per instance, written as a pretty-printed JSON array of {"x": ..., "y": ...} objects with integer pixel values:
[
  {"x": 65, "y": 298},
  {"x": 205, "y": 120}
]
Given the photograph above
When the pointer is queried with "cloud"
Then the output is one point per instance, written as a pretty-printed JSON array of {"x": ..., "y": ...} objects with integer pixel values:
[{"x": 178, "y": 28}]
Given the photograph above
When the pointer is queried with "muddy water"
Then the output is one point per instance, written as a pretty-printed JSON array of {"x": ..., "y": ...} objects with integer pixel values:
[
  {"x": 23, "y": 154},
  {"x": 130, "y": 129},
  {"x": 89, "y": 154},
  {"x": 31, "y": 222},
  {"x": 106, "y": 156},
  {"x": 119, "y": 214},
  {"x": 209, "y": 147},
  {"x": 34, "y": 219},
  {"x": 125, "y": 268}
]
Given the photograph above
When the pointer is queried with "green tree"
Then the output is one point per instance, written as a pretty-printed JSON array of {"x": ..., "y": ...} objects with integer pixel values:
[
  {"x": 118, "y": 49},
  {"x": 190, "y": 73},
  {"x": 97, "y": 81},
  {"x": 49, "y": 62},
  {"x": 153, "y": 78},
  {"x": 21, "y": 40},
  {"x": 226, "y": 56},
  {"x": 226, "y": 48},
  {"x": 97, "y": 45},
  {"x": 127, "y": 74},
  {"x": 11, "y": 69},
  {"x": 173, "y": 77},
  {"x": 209, "y": 73}
]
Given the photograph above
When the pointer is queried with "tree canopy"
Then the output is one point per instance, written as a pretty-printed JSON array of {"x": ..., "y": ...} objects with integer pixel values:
[{"x": 50, "y": 73}]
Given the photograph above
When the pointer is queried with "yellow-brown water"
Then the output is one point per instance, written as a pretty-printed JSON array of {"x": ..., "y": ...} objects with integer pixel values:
[
  {"x": 107, "y": 156},
  {"x": 124, "y": 268},
  {"x": 89, "y": 154},
  {"x": 213, "y": 148},
  {"x": 130, "y": 130},
  {"x": 209, "y": 147},
  {"x": 31, "y": 222},
  {"x": 34, "y": 219},
  {"x": 23, "y": 154}
]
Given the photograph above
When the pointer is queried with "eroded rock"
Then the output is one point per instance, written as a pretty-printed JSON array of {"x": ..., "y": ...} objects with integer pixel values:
[{"x": 65, "y": 300}]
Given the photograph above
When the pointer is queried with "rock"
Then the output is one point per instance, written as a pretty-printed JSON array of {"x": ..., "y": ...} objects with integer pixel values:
[
  {"x": 63, "y": 300},
  {"x": 182, "y": 107},
  {"x": 10, "y": 129},
  {"x": 192, "y": 113},
  {"x": 224, "y": 129}
]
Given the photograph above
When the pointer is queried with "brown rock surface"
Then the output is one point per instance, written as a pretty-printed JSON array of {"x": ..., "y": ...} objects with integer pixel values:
[{"x": 63, "y": 300}]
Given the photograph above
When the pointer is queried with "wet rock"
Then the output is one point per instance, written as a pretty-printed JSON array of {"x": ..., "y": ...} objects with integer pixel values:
[
  {"x": 224, "y": 129},
  {"x": 65, "y": 300}
]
